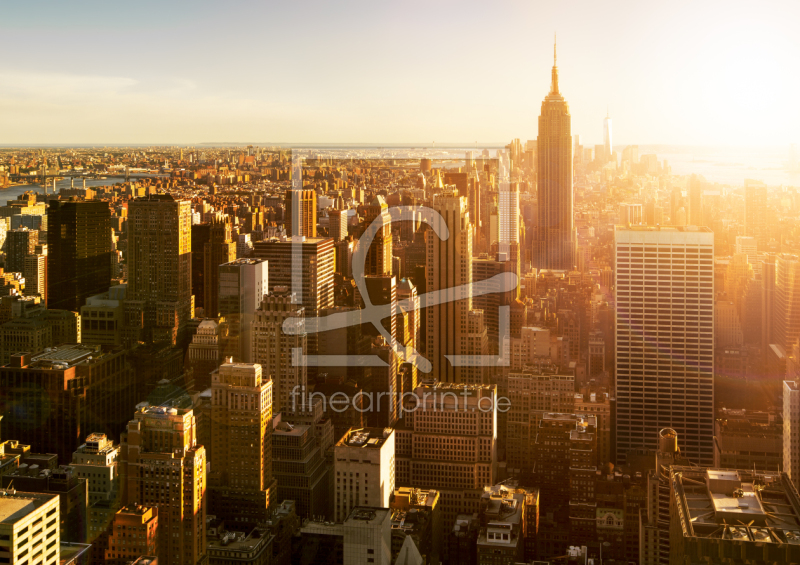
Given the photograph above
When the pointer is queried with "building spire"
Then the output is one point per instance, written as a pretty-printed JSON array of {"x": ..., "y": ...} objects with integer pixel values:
[{"x": 554, "y": 74}]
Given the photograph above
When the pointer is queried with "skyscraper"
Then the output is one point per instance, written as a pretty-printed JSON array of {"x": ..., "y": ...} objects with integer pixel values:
[
  {"x": 556, "y": 230},
  {"x": 218, "y": 250},
  {"x": 241, "y": 485},
  {"x": 755, "y": 211},
  {"x": 301, "y": 213},
  {"x": 273, "y": 348},
  {"x": 79, "y": 252},
  {"x": 159, "y": 297},
  {"x": 607, "y": 143},
  {"x": 379, "y": 256},
  {"x": 312, "y": 269},
  {"x": 449, "y": 266},
  {"x": 162, "y": 465},
  {"x": 242, "y": 285},
  {"x": 786, "y": 305},
  {"x": 665, "y": 338}
]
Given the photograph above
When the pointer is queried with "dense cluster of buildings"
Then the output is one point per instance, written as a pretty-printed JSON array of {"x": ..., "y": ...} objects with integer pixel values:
[{"x": 543, "y": 352}]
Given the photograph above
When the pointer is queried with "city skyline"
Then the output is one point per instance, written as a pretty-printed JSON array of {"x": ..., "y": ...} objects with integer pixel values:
[{"x": 687, "y": 75}]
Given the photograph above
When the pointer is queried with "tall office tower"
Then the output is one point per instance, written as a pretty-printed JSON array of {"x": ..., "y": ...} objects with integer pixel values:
[
  {"x": 219, "y": 249},
  {"x": 79, "y": 252},
  {"x": 791, "y": 430},
  {"x": 768, "y": 280},
  {"x": 159, "y": 295},
  {"x": 755, "y": 211},
  {"x": 608, "y": 146},
  {"x": 484, "y": 268},
  {"x": 162, "y": 465},
  {"x": 301, "y": 213},
  {"x": 556, "y": 229},
  {"x": 696, "y": 202},
  {"x": 786, "y": 309},
  {"x": 337, "y": 225},
  {"x": 240, "y": 483},
  {"x": 449, "y": 266},
  {"x": 201, "y": 234},
  {"x": 664, "y": 377},
  {"x": 20, "y": 243},
  {"x": 379, "y": 255},
  {"x": 273, "y": 348},
  {"x": 35, "y": 273},
  {"x": 312, "y": 270},
  {"x": 508, "y": 210},
  {"x": 242, "y": 285},
  {"x": 29, "y": 527},
  {"x": 449, "y": 444},
  {"x": 363, "y": 462}
]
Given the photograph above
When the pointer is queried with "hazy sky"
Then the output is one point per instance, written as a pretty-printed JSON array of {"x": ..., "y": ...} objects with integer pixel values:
[{"x": 681, "y": 72}]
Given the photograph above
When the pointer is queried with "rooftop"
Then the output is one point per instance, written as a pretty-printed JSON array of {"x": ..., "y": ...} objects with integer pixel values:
[
  {"x": 365, "y": 437},
  {"x": 15, "y": 505},
  {"x": 737, "y": 505}
]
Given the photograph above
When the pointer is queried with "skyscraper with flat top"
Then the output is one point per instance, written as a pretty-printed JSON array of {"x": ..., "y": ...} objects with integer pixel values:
[
  {"x": 665, "y": 338},
  {"x": 301, "y": 213},
  {"x": 79, "y": 252},
  {"x": 556, "y": 230},
  {"x": 159, "y": 298},
  {"x": 241, "y": 486},
  {"x": 449, "y": 271}
]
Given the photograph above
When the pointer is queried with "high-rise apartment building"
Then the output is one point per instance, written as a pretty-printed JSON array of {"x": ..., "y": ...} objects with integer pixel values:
[
  {"x": 35, "y": 273},
  {"x": 665, "y": 338},
  {"x": 79, "y": 252},
  {"x": 159, "y": 296},
  {"x": 508, "y": 211},
  {"x": 364, "y": 469},
  {"x": 162, "y": 465},
  {"x": 241, "y": 485},
  {"x": 219, "y": 250},
  {"x": 20, "y": 243},
  {"x": 242, "y": 285},
  {"x": 449, "y": 272},
  {"x": 274, "y": 347},
  {"x": 301, "y": 213},
  {"x": 556, "y": 228}
]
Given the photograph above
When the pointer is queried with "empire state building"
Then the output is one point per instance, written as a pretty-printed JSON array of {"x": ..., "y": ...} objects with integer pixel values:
[{"x": 556, "y": 230}]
